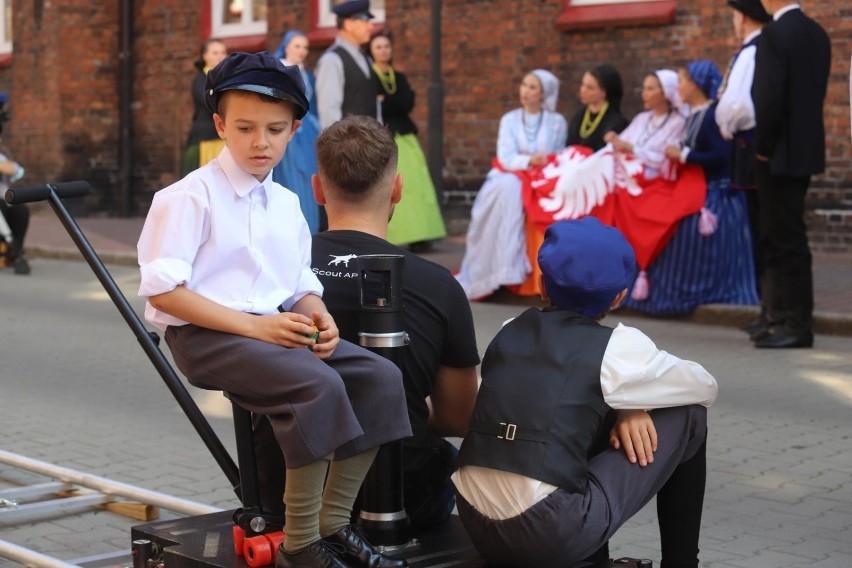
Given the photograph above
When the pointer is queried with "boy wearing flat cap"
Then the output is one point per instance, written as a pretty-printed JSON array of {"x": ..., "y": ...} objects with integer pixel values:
[
  {"x": 344, "y": 80},
  {"x": 537, "y": 485},
  {"x": 225, "y": 262}
]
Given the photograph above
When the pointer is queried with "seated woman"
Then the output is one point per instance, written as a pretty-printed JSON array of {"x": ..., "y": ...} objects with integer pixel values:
[
  {"x": 708, "y": 260},
  {"x": 659, "y": 126},
  {"x": 600, "y": 92},
  {"x": 496, "y": 243},
  {"x": 299, "y": 163}
]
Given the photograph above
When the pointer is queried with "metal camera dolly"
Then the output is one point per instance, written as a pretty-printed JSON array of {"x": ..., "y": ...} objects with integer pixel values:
[{"x": 249, "y": 536}]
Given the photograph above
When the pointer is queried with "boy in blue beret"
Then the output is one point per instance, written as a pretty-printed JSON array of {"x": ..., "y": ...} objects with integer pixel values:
[
  {"x": 225, "y": 260},
  {"x": 537, "y": 484}
]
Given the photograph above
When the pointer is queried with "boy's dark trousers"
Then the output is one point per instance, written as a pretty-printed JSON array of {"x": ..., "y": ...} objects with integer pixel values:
[{"x": 568, "y": 527}]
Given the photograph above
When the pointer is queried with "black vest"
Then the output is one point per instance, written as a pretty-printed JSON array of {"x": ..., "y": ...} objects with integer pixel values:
[
  {"x": 742, "y": 150},
  {"x": 359, "y": 90},
  {"x": 540, "y": 406}
]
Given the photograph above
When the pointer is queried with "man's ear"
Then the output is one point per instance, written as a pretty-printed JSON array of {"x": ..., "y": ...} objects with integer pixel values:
[
  {"x": 396, "y": 192},
  {"x": 319, "y": 194},
  {"x": 219, "y": 122},
  {"x": 618, "y": 299},
  {"x": 296, "y": 124}
]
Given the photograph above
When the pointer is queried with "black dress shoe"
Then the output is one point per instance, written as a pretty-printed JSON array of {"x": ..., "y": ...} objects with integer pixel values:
[
  {"x": 319, "y": 554},
  {"x": 779, "y": 338},
  {"x": 755, "y": 325},
  {"x": 361, "y": 553}
]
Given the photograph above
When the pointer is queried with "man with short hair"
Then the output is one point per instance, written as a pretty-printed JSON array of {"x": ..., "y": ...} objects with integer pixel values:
[
  {"x": 359, "y": 185},
  {"x": 790, "y": 82},
  {"x": 344, "y": 81}
]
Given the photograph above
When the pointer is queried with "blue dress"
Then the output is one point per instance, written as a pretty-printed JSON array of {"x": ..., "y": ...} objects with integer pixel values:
[
  {"x": 299, "y": 163},
  {"x": 695, "y": 269}
]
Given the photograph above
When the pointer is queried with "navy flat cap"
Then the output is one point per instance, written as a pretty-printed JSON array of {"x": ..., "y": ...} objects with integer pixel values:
[
  {"x": 259, "y": 73},
  {"x": 585, "y": 265},
  {"x": 353, "y": 9}
]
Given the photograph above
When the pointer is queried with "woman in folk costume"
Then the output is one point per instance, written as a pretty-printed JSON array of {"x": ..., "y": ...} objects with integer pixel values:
[
  {"x": 709, "y": 258},
  {"x": 659, "y": 126},
  {"x": 202, "y": 133},
  {"x": 417, "y": 217},
  {"x": 496, "y": 253},
  {"x": 600, "y": 93},
  {"x": 299, "y": 163}
]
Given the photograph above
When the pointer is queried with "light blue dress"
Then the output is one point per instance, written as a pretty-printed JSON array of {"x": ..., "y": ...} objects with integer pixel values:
[
  {"x": 300, "y": 160},
  {"x": 496, "y": 247}
]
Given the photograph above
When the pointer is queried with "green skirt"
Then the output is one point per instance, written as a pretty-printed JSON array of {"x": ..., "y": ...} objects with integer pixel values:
[{"x": 417, "y": 217}]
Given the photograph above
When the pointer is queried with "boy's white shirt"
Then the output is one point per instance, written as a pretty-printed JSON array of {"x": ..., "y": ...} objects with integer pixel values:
[
  {"x": 634, "y": 374},
  {"x": 239, "y": 242}
]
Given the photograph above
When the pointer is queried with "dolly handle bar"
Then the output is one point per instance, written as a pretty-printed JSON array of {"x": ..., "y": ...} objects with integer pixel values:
[{"x": 62, "y": 190}]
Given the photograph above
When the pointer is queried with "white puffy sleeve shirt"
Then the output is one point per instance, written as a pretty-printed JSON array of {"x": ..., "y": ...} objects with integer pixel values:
[
  {"x": 239, "y": 242},
  {"x": 514, "y": 150},
  {"x": 735, "y": 111}
]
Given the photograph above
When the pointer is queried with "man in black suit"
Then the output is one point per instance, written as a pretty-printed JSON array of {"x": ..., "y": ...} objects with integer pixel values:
[{"x": 790, "y": 82}]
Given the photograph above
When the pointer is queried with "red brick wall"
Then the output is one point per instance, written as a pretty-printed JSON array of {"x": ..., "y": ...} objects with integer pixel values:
[{"x": 64, "y": 72}]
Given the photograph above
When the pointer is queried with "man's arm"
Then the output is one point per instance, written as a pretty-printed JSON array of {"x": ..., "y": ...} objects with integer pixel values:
[
  {"x": 330, "y": 81},
  {"x": 452, "y": 400},
  {"x": 768, "y": 91}
]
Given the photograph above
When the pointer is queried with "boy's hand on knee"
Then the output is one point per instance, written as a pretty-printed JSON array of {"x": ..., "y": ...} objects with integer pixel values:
[
  {"x": 634, "y": 432},
  {"x": 287, "y": 329},
  {"x": 329, "y": 335}
]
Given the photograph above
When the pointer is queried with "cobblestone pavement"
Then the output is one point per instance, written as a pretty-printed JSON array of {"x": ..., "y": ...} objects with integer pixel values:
[{"x": 77, "y": 391}]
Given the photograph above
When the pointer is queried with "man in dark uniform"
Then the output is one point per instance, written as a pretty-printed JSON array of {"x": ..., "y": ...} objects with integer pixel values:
[
  {"x": 344, "y": 80},
  {"x": 735, "y": 117},
  {"x": 790, "y": 82},
  {"x": 358, "y": 183}
]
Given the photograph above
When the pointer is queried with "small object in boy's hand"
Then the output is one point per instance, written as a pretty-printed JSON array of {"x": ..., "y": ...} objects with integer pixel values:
[{"x": 314, "y": 336}]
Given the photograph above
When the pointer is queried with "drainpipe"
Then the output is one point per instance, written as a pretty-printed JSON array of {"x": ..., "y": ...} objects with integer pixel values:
[
  {"x": 436, "y": 106},
  {"x": 125, "y": 92}
]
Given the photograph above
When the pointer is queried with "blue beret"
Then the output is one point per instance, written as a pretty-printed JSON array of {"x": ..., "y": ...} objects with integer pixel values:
[
  {"x": 259, "y": 73},
  {"x": 353, "y": 9},
  {"x": 585, "y": 265}
]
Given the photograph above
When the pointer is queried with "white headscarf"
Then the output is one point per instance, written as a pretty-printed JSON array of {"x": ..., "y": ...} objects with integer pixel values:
[
  {"x": 549, "y": 88},
  {"x": 668, "y": 80}
]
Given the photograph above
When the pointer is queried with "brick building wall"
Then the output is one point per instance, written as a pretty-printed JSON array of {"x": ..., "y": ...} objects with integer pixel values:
[{"x": 63, "y": 80}]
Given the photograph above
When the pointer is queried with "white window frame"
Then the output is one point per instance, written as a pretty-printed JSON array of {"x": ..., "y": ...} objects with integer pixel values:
[
  {"x": 246, "y": 27},
  {"x": 5, "y": 42},
  {"x": 327, "y": 19}
]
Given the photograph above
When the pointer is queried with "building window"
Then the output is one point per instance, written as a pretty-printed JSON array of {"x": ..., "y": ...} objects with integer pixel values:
[
  {"x": 238, "y": 18},
  {"x": 324, "y": 22},
  {"x": 5, "y": 27},
  {"x": 586, "y": 14}
]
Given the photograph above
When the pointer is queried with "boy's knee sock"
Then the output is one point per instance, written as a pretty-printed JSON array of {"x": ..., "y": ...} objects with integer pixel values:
[
  {"x": 302, "y": 500},
  {"x": 344, "y": 481},
  {"x": 679, "y": 506}
]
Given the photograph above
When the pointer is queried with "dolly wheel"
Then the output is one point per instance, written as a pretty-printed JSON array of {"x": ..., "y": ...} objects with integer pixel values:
[
  {"x": 260, "y": 550},
  {"x": 239, "y": 538}
]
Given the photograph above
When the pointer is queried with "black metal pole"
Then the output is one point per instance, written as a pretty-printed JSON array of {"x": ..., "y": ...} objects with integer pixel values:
[
  {"x": 53, "y": 193},
  {"x": 435, "y": 115},
  {"x": 383, "y": 515},
  {"x": 125, "y": 94}
]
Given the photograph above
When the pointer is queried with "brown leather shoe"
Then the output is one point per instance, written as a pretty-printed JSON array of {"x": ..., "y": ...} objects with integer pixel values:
[
  {"x": 359, "y": 552},
  {"x": 319, "y": 554}
]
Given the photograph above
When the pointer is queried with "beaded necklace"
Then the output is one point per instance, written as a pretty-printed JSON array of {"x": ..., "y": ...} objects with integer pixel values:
[
  {"x": 588, "y": 126},
  {"x": 530, "y": 131},
  {"x": 388, "y": 80}
]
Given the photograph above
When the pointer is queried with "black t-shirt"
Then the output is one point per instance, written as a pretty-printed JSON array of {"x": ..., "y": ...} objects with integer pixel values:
[
  {"x": 612, "y": 120},
  {"x": 436, "y": 316}
]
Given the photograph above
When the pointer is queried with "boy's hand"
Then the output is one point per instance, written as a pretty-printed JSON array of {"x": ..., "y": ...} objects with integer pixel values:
[
  {"x": 329, "y": 335},
  {"x": 287, "y": 329},
  {"x": 634, "y": 431}
]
